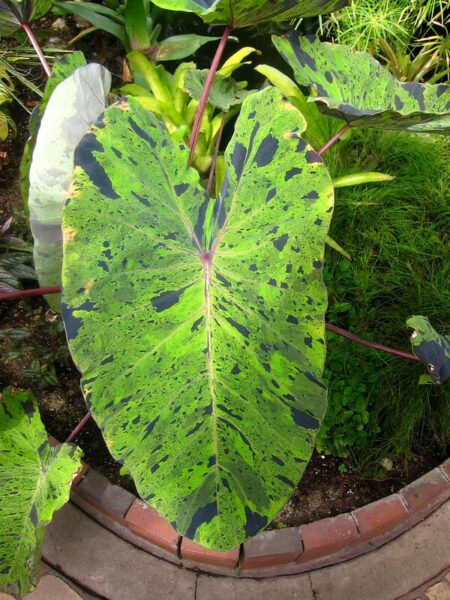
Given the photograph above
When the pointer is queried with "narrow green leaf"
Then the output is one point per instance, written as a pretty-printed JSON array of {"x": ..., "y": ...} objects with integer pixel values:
[
  {"x": 178, "y": 47},
  {"x": 137, "y": 25},
  {"x": 235, "y": 61},
  {"x": 73, "y": 106},
  {"x": 35, "y": 482},
  {"x": 432, "y": 348},
  {"x": 333, "y": 244},
  {"x": 97, "y": 19},
  {"x": 353, "y": 86},
  {"x": 361, "y": 179},
  {"x": 199, "y": 328}
]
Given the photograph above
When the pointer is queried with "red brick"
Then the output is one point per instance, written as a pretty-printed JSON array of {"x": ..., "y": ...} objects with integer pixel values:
[
  {"x": 445, "y": 468},
  {"x": 147, "y": 523},
  {"x": 427, "y": 492},
  {"x": 271, "y": 548},
  {"x": 380, "y": 518},
  {"x": 110, "y": 499},
  {"x": 196, "y": 553},
  {"x": 327, "y": 537},
  {"x": 80, "y": 475}
]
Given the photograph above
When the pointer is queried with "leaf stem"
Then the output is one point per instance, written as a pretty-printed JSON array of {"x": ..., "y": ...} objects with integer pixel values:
[
  {"x": 354, "y": 338},
  {"x": 84, "y": 421},
  {"x": 216, "y": 154},
  {"x": 206, "y": 90},
  {"x": 334, "y": 139},
  {"x": 37, "y": 49},
  {"x": 34, "y": 292}
]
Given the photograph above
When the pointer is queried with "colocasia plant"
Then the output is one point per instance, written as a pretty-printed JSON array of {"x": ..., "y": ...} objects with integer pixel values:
[{"x": 197, "y": 319}]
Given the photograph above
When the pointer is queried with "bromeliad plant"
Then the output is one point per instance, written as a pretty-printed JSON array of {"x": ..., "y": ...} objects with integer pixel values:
[{"x": 197, "y": 319}]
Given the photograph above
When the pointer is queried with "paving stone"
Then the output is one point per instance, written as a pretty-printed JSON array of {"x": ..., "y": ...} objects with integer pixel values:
[
  {"x": 108, "y": 566},
  {"x": 327, "y": 536},
  {"x": 52, "y": 588},
  {"x": 278, "y": 588},
  {"x": 439, "y": 591},
  {"x": 6, "y": 596},
  {"x": 427, "y": 491},
  {"x": 392, "y": 570}
]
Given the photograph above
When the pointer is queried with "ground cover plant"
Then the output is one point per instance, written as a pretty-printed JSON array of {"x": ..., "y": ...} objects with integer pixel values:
[{"x": 196, "y": 312}]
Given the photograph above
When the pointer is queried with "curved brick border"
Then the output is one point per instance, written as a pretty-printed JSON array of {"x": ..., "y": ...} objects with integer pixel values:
[{"x": 271, "y": 553}]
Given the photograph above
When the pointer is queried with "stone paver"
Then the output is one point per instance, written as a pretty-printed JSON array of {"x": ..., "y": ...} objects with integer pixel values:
[
  {"x": 394, "y": 569},
  {"x": 279, "y": 588},
  {"x": 107, "y": 565},
  {"x": 439, "y": 591},
  {"x": 51, "y": 587},
  {"x": 111, "y": 568}
]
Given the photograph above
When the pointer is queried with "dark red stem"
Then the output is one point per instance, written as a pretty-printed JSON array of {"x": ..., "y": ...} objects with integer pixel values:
[
  {"x": 354, "y": 338},
  {"x": 37, "y": 49},
  {"x": 334, "y": 139},
  {"x": 34, "y": 292},
  {"x": 216, "y": 154},
  {"x": 205, "y": 93},
  {"x": 79, "y": 428}
]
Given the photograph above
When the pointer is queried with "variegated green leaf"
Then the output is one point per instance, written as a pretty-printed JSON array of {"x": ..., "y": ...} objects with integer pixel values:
[
  {"x": 198, "y": 324},
  {"x": 432, "y": 348},
  {"x": 74, "y": 105},
  {"x": 244, "y": 13},
  {"x": 225, "y": 91},
  {"x": 34, "y": 483},
  {"x": 60, "y": 71},
  {"x": 353, "y": 86}
]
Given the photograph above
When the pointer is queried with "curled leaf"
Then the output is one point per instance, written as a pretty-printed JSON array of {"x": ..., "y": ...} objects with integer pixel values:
[{"x": 432, "y": 348}]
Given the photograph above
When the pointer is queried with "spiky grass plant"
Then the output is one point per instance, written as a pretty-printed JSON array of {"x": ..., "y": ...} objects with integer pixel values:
[{"x": 397, "y": 234}]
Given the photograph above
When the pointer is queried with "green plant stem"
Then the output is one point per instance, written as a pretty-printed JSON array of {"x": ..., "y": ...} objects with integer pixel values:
[
  {"x": 37, "y": 49},
  {"x": 334, "y": 139},
  {"x": 206, "y": 90},
  {"x": 216, "y": 154}
]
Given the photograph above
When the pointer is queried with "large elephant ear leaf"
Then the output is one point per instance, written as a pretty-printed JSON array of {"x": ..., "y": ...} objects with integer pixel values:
[
  {"x": 431, "y": 348},
  {"x": 245, "y": 13},
  {"x": 35, "y": 482},
  {"x": 60, "y": 71},
  {"x": 73, "y": 106},
  {"x": 353, "y": 86},
  {"x": 198, "y": 325}
]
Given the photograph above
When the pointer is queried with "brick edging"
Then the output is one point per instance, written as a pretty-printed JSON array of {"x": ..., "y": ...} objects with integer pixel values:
[{"x": 271, "y": 553}]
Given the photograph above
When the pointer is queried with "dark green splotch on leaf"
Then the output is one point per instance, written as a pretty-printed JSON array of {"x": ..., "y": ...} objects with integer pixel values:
[
  {"x": 200, "y": 378},
  {"x": 432, "y": 348},
  {"x": 354, "y": 87},
  {"x": 35, "y": 482},
  {"x": 245, "y": 13}
]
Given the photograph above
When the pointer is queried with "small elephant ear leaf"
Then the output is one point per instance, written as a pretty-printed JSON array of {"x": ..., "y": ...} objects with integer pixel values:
[
  {"x": 432, "y": 348},
  {"x": 246, "y": 13},
  {"x": 353, "y": 86},
  {"x": 13, "y": 13},
  {"x": 198, "y": 324},
  {"x": 61, "y": 70},
  {"x": 225, "y": 91},
  {"x": 74, "y": 105},
  {"x": 35, "y": 482}
]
